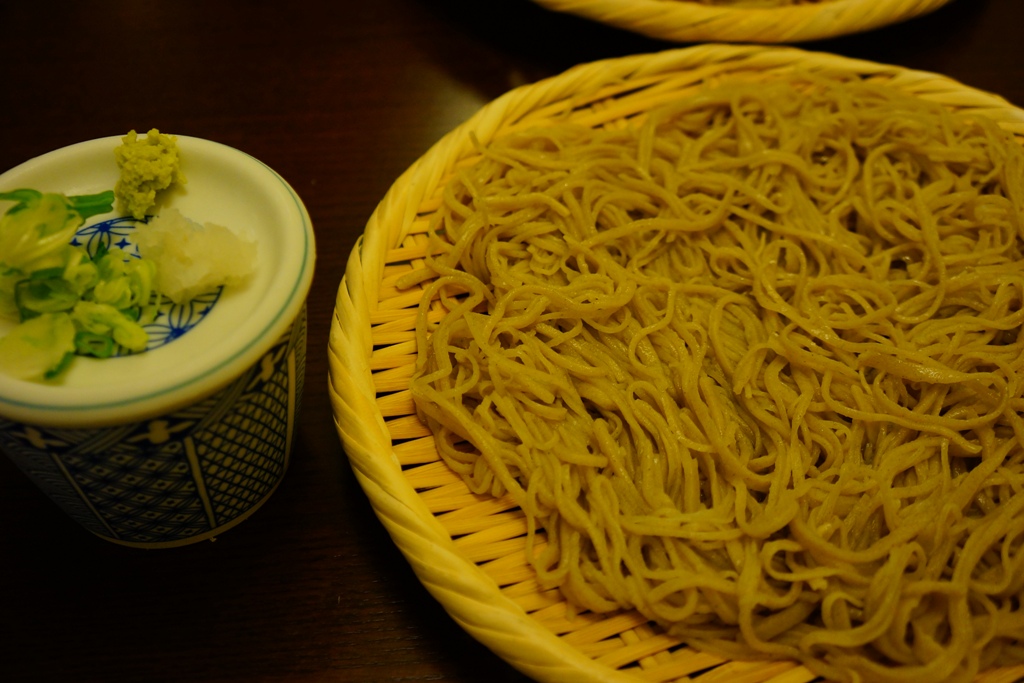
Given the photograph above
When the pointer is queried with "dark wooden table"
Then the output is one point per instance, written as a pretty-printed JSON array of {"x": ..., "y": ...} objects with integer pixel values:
[{"x": 339, "y": 97}]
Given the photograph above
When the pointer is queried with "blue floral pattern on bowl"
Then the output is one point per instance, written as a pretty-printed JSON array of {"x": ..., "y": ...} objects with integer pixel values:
[{"x": 172, "y": 320}]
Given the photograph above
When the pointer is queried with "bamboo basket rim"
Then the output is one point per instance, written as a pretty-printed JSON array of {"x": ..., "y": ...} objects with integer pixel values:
[
  {"x": 688, "y": 21},
  {"x": 469, "y": 551}
]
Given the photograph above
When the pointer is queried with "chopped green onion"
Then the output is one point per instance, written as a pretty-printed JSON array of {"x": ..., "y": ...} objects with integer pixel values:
[
  {"x": 90, "y": 344},
  {"x": 89, "y": 205},
  {"x": 46, "y": 273},
  {"x": 104, "y": 319},
  {"x": 38, "y": 346},
  {"x": 67, "y": 303},
  {"x": 101, "y": 250},
  {"x": 58, "y": 369},
  {"x": 50, "y": 295}
]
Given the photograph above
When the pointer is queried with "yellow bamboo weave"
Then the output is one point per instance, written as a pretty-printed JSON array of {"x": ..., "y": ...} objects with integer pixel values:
[
  {"x": 469, "y": 550},
  {"x": 688, "y": 21}
]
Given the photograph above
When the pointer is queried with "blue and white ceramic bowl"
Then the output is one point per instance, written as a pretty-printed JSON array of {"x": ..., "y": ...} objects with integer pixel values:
[{"x": 183, "y": 441}]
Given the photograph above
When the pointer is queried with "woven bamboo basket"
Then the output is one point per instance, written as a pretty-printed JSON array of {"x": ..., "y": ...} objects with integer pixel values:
[
  {"x": 689, "y": 21},
  {"x": 469, "y": 550}
]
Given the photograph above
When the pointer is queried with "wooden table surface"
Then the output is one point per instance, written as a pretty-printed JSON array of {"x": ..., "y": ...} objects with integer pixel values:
[{"x": 339, "y": 97}]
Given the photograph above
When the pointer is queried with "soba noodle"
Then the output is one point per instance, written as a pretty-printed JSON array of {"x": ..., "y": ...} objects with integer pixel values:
[{"x": 751, "y": 366}]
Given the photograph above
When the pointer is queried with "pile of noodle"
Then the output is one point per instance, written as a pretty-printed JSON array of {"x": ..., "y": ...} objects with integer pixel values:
[{"x": 753, "y": 367}]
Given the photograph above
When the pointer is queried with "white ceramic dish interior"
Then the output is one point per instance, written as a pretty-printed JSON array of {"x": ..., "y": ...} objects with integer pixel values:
[{"x": 224, "y": 186}]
